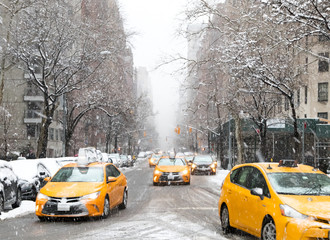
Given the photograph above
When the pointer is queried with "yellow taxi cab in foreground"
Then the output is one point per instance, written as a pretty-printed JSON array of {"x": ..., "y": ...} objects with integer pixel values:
[
  {"x": 171, "y": 170},
  {"x": 82, "y": 190},
  {"x": 279, "y": 201}
]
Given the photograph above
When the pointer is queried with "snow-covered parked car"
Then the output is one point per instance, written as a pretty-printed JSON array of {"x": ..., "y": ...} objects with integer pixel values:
[
  {"x": 10, "y": 190},
  {"x": 31, "y": 174},
  {"x": 115, "y": 157}
]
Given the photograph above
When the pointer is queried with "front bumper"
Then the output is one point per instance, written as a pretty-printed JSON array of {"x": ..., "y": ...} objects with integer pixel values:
[
  {"x": 175, "y": 177},
  {"x": 68, "y": 207},
  {"x": 307, "y": 229},
  {"x": 203, "y": 169}
]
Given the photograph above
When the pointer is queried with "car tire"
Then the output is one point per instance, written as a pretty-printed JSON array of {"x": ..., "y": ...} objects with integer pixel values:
[
  {"x": 123, "y": 204},
  {"x": 155, "y": 184},
  {"x": 224, "y": 218},
  {"x": 18, "y": 199},
  {"x": 42, "y": 219},
  {"x": 2, "y": 203},
  {"x": 268, "y": 231},
  {"x": 106, "y": 208},
  {"x": 34, "y": 194}
]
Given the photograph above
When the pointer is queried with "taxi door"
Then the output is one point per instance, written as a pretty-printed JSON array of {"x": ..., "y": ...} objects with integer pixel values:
[
  {"x": 255, "y": 207},
  {"x": 237, "y": 196},
  {"x": 112, "y": 186}
]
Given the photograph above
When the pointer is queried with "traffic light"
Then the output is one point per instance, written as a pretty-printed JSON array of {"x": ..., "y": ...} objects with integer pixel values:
[{"x": 177, "y": 130}]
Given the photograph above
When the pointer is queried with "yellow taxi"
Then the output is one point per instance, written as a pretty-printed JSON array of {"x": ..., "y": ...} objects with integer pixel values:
[
  {"x": 171, "y": 170},
  {"x": 154, "y": 159},
  {"x": 271, "y": 201},
  {"x": 77, "y": 190}
]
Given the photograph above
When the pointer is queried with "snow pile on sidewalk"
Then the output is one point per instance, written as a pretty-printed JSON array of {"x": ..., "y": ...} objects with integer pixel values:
[{"x": 26, "y": 207}]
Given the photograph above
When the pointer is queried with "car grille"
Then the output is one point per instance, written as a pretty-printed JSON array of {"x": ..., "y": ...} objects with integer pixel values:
[
  {"x": 75, "y": 206},
  {"x": 168, "y": 176}
]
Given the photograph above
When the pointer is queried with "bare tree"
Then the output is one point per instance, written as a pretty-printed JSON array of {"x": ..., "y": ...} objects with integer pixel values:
[{"x": 51, "y": 42}]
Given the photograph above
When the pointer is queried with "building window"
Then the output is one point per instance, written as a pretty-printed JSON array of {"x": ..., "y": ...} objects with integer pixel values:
[
  {"x": 323, "y": 63},
  {"x": 322, "y": 115},
  {"x": 323, "y": 92},
  {"x": 51, "y": 134},
  {"x": 31, "y": 130},
  {"x": 306, "y": 94},
  {"x": 298, "y": 97}
]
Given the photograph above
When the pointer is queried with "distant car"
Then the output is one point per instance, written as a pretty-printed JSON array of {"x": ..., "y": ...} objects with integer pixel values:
[
  {"x": 203, "y": 164},
  {"x": 282, "y": 200},
  {"x": 171, "y": 170},
  {"x": 31, "y": 174},
  {"x": 115, "y": 158},
  {"x": 154, "y": 159},
  {"x": 124, "y": 161},
  {"x": 10, "y": 190},
  {"x": 91, "y": 189},
  {"x": 141, "y": 156}
]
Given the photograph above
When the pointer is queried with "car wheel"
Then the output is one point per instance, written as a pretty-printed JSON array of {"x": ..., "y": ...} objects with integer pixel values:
[
  {"x": 106, "y": 208},
  {"x": 224, "y": 218},
  {"x": 2, "y": 204},
  {"x": 42, "y": 219},
  {"x": 123, "y": 204},
  {"x": 268, "y": 231},
  {"x": 155, "y": 184},
  {"x": 18, "y": 199},
  {"x": 34, "y": 194}
]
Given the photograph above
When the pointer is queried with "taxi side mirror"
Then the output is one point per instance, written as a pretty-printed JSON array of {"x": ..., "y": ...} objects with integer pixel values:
[
  {"x": 47, "y": 179},
  {"x": 112, "y": 179},
  {"x": 257, "y": 192}
]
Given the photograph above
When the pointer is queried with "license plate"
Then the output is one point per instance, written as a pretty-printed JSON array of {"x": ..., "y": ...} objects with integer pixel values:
[
  {"x": 170, "y": 177},
  {"x": 63, "y": 207}
]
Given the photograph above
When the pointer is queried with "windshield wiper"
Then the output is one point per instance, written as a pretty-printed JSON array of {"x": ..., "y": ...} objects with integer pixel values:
[{"x": 315, "y": 189}]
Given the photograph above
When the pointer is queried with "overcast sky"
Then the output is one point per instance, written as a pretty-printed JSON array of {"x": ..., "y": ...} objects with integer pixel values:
[{"x": 156, "y": 23}]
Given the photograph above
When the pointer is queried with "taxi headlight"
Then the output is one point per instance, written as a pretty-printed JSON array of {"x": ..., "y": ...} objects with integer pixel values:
[
  {"x": 212, "y": 165},
  {"x": 184, "y": 172},
  {"x": 91, "y": 196},
  {"x": 193, "y": 165},
  {"x": 157, "y": 171},
  {"x": 288, "y": 211},
  {"x": 41, "y": 196}
]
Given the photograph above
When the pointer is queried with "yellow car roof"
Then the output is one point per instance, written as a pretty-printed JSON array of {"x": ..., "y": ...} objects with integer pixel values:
[
  {"x": 270, "y": 167},
  {"x": 93, "y": 164}
]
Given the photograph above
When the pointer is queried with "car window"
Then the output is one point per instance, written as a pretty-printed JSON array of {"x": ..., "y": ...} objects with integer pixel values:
[
  {"x": 203, "y": 159},
  {"x": 243, "y": 176},
  {"x": 257, "y": 180},
  {"x": 300, "y": 183},
  {"x": 171, "y": 162},
  {"x": 79, "y": 174},
  {"x": 234, "y": 175},
  {"x": 114, "y": 171}
]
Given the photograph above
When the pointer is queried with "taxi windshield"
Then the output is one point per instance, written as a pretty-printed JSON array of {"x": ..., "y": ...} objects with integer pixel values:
[
  {"x": 79, "y": 174},
  {"x": 171, "y": 162},
  {"x": 203, "y": 159},
  {"x": 300, "y": 183}
]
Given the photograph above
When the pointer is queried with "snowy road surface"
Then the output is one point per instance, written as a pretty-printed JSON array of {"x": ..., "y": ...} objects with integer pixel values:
[{"x": 154, "y": 212}]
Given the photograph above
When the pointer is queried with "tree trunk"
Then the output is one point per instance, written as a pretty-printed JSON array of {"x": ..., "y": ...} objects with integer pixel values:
[
  {"x": 43, "y": 138},
  {"x": 239, "y": 139},
  {"x": 296, "y": 135}
]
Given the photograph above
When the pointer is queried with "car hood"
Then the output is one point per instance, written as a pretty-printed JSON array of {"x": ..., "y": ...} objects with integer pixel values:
[
  {"x": 171, "y": 168},
  {"x": 70, "y": 189},
  {"x": 316, "y": 206}
]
